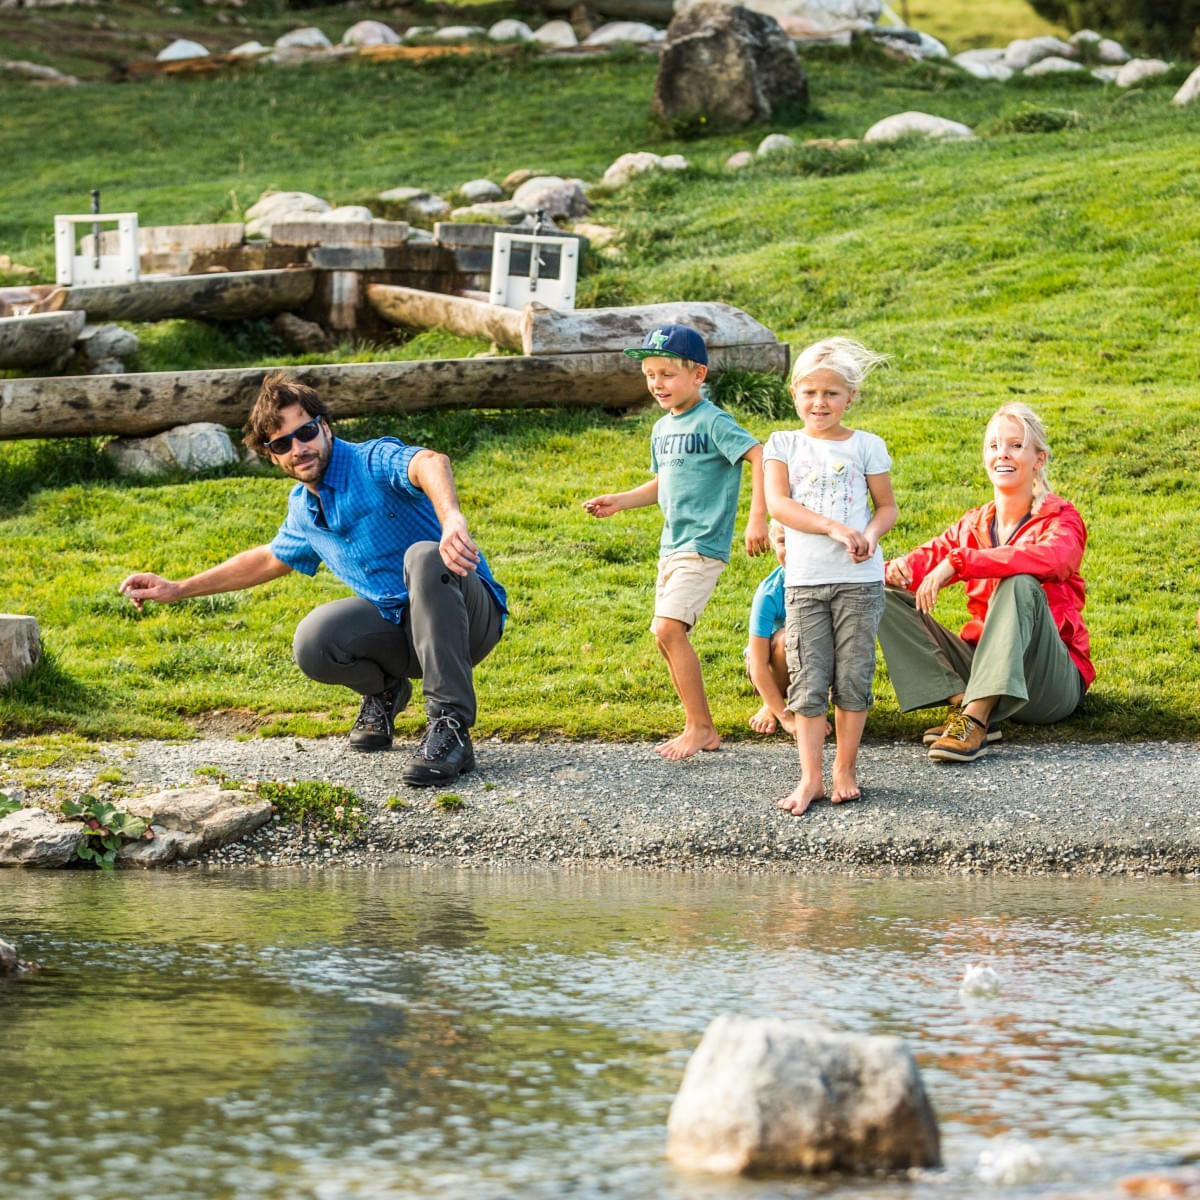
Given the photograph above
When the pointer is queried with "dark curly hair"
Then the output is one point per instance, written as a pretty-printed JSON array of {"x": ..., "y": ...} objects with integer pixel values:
[{"x": 279, "y": 391}]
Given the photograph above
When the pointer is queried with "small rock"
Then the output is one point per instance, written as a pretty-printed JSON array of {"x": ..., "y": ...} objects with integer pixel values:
[
  {"x": 1189, "y": 90},
  {"x": 628, "y": 165},
  {"x": 370, "y": 33},
  {"x": 38, "y": 72},
  {"x": 906, "y": 124},
  {"x": 514, "y": 179},
  {"x": 510, "y": 30},
  {"x": 428, "y": 206},
  {"x": 346, "y": 213},
  {"x": 775, "y": 143},
  {"x": 301, "y": 336},
  {"x": 1023, "y": 52},
  {"x": 1138, "y": 70},
  {"x": 10, "y": 964},
  {"x": 636, "y": 33},
  {"x": 98, "y": 342},
  {"x": 1112, "y": 52},
  {"x": 250, "y": 49},
  {"x": 554, "y": 196},
  {"x": 281, "y": 206},
  {"x": 1084, "y": 37},
  {"x": 556, "y": 34},
  {"x": 496, "y": 212},
  {"x": 1052, "y": 65},
  {"x": 308, "y": 38},
  {"x": 740, "y": 159},
  {"x": 181, "y": 48},
  {"x": 476, "y": 191},
  {"x": 416, "y": 33},
  {"x": 459, "y": 33}
]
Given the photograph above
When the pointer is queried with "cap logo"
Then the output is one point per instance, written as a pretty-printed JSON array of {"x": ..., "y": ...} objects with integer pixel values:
[{"x": 657, "y": 340}]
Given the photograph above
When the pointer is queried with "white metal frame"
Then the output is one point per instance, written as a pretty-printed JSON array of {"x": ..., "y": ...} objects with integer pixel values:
[
  {"x": 73, "y": 269},
  {"x": 513, "y": 291}
]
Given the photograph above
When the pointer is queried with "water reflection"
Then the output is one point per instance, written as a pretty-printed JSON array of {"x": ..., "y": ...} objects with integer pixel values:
[{"x": 417, "y": 1033}]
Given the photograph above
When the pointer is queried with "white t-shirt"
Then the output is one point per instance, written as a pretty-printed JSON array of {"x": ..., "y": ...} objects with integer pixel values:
[{"x": 829, "y": 477}]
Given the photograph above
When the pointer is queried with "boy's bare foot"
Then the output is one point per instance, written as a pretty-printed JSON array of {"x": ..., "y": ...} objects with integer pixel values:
[
  {"x": 764, "y": 721},
  {"x": 689, "y": 742},
  {"x": 797, "y": 803},
  {"x": 845, "y": 785}
]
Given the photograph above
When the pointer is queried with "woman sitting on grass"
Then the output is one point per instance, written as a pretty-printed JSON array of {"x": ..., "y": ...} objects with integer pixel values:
[{"x": 1024, "y": 652}]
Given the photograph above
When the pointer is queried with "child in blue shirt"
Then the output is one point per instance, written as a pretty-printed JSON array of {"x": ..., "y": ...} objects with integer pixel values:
[
  {"x": 766, "y": 654},
  {"x": 696, "y": 453}
]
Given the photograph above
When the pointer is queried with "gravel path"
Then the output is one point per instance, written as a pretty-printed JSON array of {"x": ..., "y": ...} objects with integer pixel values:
[{"x": 1128, "y": 808}]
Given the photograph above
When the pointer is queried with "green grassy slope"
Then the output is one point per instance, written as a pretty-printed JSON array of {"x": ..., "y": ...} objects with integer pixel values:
[{"x": 1057, "y": 267}]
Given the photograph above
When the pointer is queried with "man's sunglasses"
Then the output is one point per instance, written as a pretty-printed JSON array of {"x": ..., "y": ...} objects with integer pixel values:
[{"x": 282, "y": 444}]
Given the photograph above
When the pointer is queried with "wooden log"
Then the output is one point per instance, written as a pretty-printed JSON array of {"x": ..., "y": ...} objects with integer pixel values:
[
  {"x": 140, "y": 404},
  {"x": 38, "y": 337},
  {"x": 536, "y": 329},
  {"x": 548, "y": 331},
  {"x": 219, "y": 296},
  {"x": 416, "y": 309}
]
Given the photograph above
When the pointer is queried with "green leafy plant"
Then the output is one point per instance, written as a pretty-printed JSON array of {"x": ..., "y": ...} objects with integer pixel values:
[
  {"x": 398, "y": 803},
  {"x": 8, "y": 805},
  {"x": 106, "y": 829},
  {"x": 448, "y": 801},
  {"x": 311, "y": 802},
  {"x": 1032, "y": 118},
  {"x": 753, "y": 392}
]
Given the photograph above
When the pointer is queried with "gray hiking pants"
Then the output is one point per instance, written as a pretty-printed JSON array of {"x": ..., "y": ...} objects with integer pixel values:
[{"x": 451, "y": 623}]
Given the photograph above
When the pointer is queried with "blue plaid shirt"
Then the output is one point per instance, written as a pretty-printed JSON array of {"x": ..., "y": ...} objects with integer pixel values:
[{"x": 368, "y": 516}]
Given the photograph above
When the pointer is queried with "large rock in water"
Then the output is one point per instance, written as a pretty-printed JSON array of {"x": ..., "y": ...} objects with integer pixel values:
[
  {"x": 727, "y": 66},
  {"x": 31, "y": 837},
  {"x": 764, "y": 1094}
]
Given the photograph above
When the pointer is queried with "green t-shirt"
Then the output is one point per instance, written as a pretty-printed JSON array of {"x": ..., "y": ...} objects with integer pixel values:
[{"x": 698, "y": 460}]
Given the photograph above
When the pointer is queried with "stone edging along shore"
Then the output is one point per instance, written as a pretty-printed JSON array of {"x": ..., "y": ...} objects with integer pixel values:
[{"x": 1073, "y": 808}]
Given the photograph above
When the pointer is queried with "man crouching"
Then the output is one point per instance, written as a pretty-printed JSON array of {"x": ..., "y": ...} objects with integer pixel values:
[{"x": 384, "y": 518}]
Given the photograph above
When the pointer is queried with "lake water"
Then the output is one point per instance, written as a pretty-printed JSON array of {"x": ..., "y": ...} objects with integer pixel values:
[{"x": 407, "y": 1032}]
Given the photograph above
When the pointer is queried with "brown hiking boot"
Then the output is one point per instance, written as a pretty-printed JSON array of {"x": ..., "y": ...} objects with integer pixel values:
[
  {"x": 965, "y": 740},
  {"x": 934, "y": 732}
]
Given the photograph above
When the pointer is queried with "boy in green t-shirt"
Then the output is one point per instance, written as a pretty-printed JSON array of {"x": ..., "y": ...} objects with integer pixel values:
[{"x": 696, "y": 453}]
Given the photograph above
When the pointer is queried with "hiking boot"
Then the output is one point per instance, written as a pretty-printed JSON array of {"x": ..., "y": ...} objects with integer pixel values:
[
  {"x": 934, "y": 732},
  {"x": 965, "y": 740},
  {"x": 444, "y": 754},
  {"x": 375, "y": 724}
]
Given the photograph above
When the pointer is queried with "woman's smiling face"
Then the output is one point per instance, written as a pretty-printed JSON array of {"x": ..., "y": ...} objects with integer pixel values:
[{"x": 1010, "y": 457}]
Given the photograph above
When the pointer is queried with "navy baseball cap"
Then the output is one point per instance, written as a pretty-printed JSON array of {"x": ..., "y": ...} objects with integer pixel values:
[{"x": 672, "y": 341}]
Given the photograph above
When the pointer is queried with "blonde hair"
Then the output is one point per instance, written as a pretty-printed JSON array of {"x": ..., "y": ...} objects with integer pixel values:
[
  {"x": 1035, "y": 435},
  {"x": 848, "y": 358}
]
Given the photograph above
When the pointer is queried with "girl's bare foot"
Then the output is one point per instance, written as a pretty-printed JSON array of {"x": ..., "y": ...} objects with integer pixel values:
[
  {"x": 689, "y": 742},
  {"x": 845, "y": 785},
  {"x": 764, "y": 721},
  {"x": 799, "y": 800}
]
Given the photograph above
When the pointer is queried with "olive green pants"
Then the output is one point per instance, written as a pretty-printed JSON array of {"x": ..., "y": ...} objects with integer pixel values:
[{"x": 1020, "y": 657}]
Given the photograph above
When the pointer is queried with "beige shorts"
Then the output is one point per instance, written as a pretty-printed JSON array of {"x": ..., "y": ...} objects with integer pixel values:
[{"x": 685, "y": 585}]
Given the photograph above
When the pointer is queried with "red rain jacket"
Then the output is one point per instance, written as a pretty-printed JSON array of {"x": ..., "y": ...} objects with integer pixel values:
[{"x": 1049, "y": 547}]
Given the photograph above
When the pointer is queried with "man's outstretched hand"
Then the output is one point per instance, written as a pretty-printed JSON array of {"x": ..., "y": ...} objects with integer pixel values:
[{"x": 143, "y": 586}]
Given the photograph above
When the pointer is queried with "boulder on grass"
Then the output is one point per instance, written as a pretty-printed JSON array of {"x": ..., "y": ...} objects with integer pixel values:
[
  {"x": 768, "y": 1095},
  {"x": 915, "y": 124},
  {"x": 199, "y": 446},
  {"x": 20, "y": 647},
  {"x": 726, "y": 66}
]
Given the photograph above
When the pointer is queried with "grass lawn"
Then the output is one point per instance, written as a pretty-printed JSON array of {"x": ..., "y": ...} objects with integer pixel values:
[{"x": 1059, "y": 267}]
